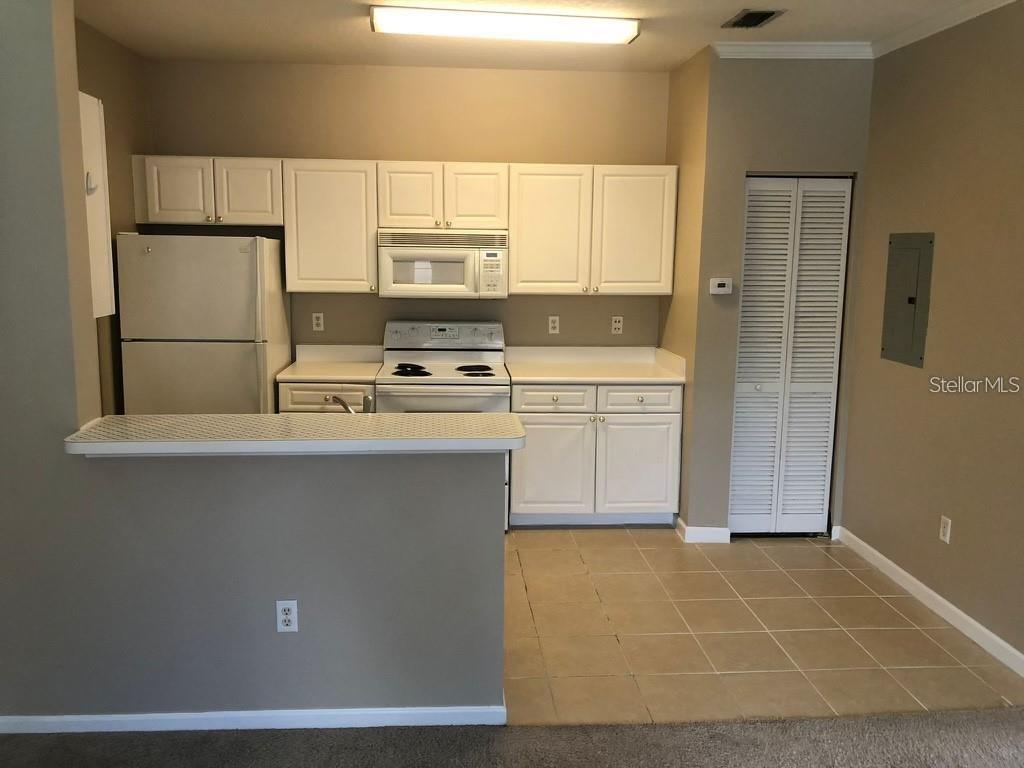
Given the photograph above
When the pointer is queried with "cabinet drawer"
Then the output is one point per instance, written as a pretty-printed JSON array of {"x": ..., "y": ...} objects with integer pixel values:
[
  {"x": 317, "y": 398},
  {"x": 555, "y": 398},
  {"x": 640, "y": 399}
]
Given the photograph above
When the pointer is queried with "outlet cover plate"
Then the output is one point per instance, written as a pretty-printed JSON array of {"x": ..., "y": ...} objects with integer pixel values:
[
  {"x": 287, "y": 615},
  {"x": 553, "y": 323}
]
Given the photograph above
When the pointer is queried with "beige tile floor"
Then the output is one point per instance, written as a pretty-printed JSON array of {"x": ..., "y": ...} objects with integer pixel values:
[{"x": 634, "y": 626}]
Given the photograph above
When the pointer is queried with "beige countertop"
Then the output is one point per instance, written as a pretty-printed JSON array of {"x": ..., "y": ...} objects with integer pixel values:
[
  {"x": 594, "y": 365},
  {"x": 247, "y": 434},
  {"x": 592, "y": 373},
  {"x": 317, "y": 371}
]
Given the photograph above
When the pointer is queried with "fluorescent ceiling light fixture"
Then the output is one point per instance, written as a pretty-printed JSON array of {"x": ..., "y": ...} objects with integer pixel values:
[{"x": 494, "y": 25}]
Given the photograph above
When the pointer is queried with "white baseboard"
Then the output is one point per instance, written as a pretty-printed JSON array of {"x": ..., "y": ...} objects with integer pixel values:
[
  {"x": 693, "y": 534},
  {"x": 979, "y": 633},
  {"x": 536, "y": 519},
  {"x": 255, "y": 719}
]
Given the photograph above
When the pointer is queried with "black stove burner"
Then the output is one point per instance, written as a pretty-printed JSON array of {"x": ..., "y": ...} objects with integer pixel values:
[
  {"x": 411, "y": 372},
  {"x": 474, "y": 368},
  {"x": 409, "y": 367},
  {"x": 478, "y": 374}
]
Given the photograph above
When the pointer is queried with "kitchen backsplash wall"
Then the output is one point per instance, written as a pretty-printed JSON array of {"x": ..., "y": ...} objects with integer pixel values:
[{"x": 584, "y": 320}]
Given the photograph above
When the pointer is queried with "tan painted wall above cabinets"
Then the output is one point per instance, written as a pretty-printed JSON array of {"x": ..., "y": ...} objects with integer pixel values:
[{"x": 407, "y": 113}]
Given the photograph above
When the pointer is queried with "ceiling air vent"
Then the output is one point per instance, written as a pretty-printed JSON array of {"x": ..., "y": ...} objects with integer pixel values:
[{"x": 751, "y": 19}]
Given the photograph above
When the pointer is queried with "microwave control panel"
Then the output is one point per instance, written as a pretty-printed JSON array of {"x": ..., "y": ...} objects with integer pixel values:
[{"x": 493, "y": 278}]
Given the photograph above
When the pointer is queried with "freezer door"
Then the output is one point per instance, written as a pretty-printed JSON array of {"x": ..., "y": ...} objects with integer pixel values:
[
  {"x": 192, "y": 288},
  {"x": 194, "y": 377}
]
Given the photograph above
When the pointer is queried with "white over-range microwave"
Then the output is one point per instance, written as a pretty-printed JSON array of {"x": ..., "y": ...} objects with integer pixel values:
[{"x": 445, "y": 264}]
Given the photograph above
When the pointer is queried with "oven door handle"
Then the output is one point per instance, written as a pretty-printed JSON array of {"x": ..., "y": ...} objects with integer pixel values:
[{"x": 471, "y": 390}]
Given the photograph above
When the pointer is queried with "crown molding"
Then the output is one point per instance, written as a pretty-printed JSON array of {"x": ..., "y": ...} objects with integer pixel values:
[
  {"x": 934, "y": 24},
  {"x": 855, "y": 50}
]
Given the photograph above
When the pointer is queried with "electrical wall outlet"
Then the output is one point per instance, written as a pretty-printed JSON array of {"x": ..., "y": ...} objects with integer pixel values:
[
  {"x": 616, "y": 325},
  {"x": 945, "y": 526},
  {"x": 287, "y": 615},
  {"x": 318, "y": 321},
  {"x": 553, "y": 324}
]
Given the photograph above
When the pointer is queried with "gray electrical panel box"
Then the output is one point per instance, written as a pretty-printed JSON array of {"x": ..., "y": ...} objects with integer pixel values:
[{"x": 908, "y": 281}]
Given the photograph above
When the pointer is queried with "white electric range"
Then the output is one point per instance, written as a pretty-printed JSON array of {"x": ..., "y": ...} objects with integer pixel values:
[{"x": 446, "y": 367}]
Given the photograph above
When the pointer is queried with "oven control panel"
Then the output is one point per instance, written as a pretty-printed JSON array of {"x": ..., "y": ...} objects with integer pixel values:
[{"x": 483, "y": 335}]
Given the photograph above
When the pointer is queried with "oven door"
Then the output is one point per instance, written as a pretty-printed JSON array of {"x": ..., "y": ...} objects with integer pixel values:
[
  {"x": 440, "y": 398},
  {"x": 439, "y": 273}
]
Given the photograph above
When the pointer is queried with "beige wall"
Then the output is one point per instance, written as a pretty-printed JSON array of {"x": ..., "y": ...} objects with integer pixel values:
[
  {"x": 946, "y": 156},
  {"x": 686, "y": 146},
  {"x": 116, "y": 76},
  {"x": 423, "y": 114},
  {"x": 764, "y": 116}
]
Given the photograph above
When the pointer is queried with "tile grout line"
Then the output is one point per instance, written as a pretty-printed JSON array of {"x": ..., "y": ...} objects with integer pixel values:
[
  {"x": 778, "y": 644},
  {"x": 857, "y": 642}
]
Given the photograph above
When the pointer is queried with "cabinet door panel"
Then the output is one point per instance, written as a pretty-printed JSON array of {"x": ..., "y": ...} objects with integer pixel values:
[
  {"x": 248, "y": 190},
  {"x": 476, "y": 195},
  {"x": 330, "y": 217},
  {"x": 554, "y": 472},
  {"x": 410, "y": 195},
  {"x": 634, "y": 228},
  {"x": 550, "y": 212},
  {"x": 638, "y": 464},
  {"x": 179, "y": 190}
]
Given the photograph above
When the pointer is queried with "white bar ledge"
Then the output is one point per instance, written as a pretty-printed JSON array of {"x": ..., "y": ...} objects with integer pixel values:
[{"x": 297, "y": 433}]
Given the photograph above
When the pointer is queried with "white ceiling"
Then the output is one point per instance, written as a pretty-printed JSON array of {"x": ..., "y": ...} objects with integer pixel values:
[{"x": 338, "y": 31}]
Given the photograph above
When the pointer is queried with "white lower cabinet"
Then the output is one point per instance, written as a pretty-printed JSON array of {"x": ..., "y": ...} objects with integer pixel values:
[
  {"x": 597, "y": 467},
  {"x": 554, "y": 473},
  {"x": 638, "y": 463}
]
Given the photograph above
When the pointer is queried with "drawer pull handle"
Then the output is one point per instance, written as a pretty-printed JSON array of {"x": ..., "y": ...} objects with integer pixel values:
[
  {"x": 554, "y": 398},
  {"x": 639, "y": 398},
  {"x": 327, "y": 398},
  {"x": 593, "y": 418},
  {"x": 601, "y": 419}
]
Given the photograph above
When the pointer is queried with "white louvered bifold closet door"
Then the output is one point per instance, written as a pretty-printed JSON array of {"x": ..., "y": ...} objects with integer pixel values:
[
  {"x": 783, "y": 430},
  {"x": 816, "y": 320},
  {"x": 761, "y": 359}
]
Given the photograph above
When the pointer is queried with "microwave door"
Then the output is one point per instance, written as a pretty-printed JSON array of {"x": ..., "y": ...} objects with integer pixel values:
[{"x": 449, "y": 273}]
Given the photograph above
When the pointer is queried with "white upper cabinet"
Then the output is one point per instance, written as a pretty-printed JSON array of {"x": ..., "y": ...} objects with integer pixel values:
[
  {"x": 179, "y": 190},
  {"x": 207, "y": 190},
  {"x": 330, "y": 225},
  {"x": 410, "y": 195},
  {"x": 634, "y": 229},
  {"x": 550, "y": 228},
  {"x": 247, "y": 190},
  {"x": 443, "y": 195},
  {"x": 476, "y": 195}
]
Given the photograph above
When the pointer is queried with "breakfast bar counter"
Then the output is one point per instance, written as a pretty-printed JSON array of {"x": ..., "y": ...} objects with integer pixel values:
[{"x": 297, "y": 433}]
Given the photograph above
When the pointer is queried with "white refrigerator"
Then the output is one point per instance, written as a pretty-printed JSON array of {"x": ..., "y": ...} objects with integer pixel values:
[{"x": 204, "y": 323}]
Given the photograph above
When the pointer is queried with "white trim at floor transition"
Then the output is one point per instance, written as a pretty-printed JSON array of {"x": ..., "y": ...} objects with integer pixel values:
[
  {"x": 693, "y": 534},
  {"x": 978, "y": 632},
  {"x": 255, "y": 719}
]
